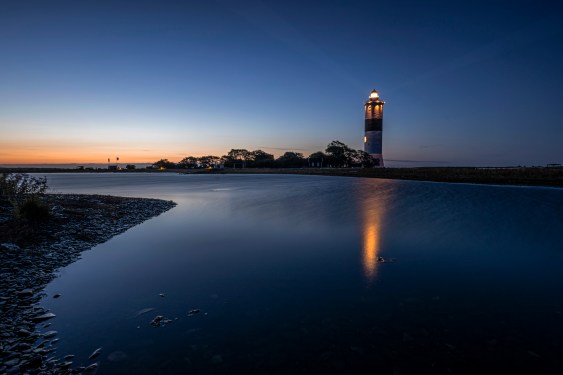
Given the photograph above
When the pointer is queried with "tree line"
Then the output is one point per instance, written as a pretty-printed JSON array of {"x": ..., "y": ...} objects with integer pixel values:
[{"x": 336, "y": 154}]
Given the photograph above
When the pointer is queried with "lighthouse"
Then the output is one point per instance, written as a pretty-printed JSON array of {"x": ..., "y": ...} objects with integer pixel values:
[{"x": 373, "y": 135}]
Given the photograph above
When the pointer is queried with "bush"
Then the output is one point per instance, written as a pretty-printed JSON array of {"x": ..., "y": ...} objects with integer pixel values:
[
  {"x": 24, "y": 192},
  {"x": 32, "y": 210}
]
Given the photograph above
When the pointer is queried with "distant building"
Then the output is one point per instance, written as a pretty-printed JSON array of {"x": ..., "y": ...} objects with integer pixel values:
[
  {"x": 112, "y": 167},
  {"x": 373, "y": 134}
]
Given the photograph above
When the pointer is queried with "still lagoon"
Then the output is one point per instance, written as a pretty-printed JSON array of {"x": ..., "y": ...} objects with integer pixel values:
[{"x": 296, "y": 274}]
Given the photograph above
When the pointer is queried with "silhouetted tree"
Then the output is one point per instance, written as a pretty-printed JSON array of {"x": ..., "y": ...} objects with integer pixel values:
[
  {"x": 339, "y": 155},
  {"x": 165, "y": 163},
  {"x": 237, "y": 157},
  {"x": 291, "y": 160},
  {"x": 261, "y": 159},
  {"x": 316, "y": 159},
  {"x": 363, "y": 159},
  {"x": 188, "y": 162},
  {"x": 208, "y": 161}
]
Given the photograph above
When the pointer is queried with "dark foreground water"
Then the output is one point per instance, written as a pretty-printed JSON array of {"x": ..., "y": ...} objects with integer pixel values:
[{"x": 285, "y": 273}]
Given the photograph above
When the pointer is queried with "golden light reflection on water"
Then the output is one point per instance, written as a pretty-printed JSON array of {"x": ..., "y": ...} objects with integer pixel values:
[{"x": 372, "y": 215}]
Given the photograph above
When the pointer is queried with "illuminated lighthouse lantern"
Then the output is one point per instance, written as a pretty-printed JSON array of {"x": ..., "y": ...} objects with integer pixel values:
[{"x": 373, "y": 136}]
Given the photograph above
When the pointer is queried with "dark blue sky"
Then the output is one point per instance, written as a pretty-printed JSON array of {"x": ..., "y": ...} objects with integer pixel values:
[{"x": 466, "y": 83}]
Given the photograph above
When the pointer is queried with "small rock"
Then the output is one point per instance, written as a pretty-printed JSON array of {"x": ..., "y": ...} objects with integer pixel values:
[
  {"x": 25, "y": 293},
  {"x": 43, "y": 317},
  {"x": 12, "y": 362},
  {"x": 24, "y": 333},
  {"x": 162, "y": 295},
  {"x": 13, "y": 370},
  {"x": 35, "y": 362},
  {"x": 49, "y": 334},
  {"x": 193, "y": 312},
  {"x": 10, "y": 246}
]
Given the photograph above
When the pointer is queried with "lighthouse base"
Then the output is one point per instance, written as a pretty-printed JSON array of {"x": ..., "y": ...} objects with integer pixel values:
[{"x": 378, "y": 160}]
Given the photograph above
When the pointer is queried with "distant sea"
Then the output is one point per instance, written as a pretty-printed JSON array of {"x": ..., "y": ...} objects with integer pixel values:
[{"x": 72, "y": 165}]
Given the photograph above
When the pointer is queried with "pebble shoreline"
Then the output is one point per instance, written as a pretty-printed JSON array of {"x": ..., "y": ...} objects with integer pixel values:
[{"x": 78, "y": 223}]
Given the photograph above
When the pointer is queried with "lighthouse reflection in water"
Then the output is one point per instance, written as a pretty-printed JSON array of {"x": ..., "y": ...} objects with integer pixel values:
[{"x": 373, "y": 213}]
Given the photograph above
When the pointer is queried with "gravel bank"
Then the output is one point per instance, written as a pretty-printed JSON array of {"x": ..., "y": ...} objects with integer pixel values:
[{"x": 29, "y": 257}]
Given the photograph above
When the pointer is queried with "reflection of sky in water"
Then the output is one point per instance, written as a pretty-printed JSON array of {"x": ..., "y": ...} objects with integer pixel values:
[{"x": 286, "y": 268}]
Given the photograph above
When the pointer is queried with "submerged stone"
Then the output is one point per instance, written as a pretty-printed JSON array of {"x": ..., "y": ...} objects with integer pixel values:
[
  {"x": 144, "y": 311},
  {"x": 156, "y": 321},
  {"x": 160, "y": 321},
  {"x": 95, "y": 353}
]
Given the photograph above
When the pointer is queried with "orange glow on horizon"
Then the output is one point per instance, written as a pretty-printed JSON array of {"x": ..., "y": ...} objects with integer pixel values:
[
  {"x": 88, "y": 152},
  {"x": 41, "y": 153}
]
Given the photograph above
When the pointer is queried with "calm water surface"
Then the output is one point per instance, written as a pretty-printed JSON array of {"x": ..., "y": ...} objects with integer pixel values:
[{"x": 284, "y": 270}]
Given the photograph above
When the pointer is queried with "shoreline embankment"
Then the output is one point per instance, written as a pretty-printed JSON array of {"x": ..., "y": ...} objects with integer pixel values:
[
  {"x": 30, "y": 255},
  {"x": 520, "y": 176}
]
